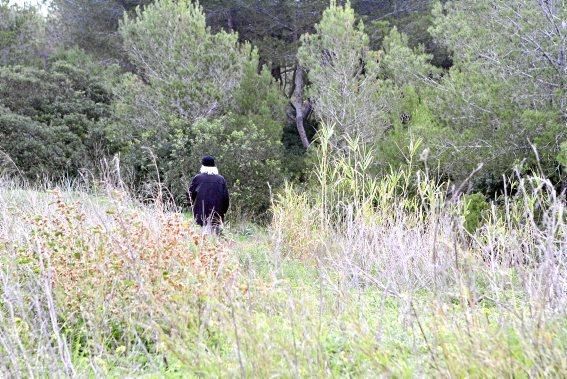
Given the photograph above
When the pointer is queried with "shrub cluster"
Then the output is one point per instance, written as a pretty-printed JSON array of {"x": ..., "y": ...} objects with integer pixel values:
[{"x": 52, "y": 120}]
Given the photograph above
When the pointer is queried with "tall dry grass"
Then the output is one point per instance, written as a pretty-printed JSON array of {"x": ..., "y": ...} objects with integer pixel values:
[
  {"x": 89, "y": 279},
  {"x": 357, "y": 276},
  {"x": 494, "y": 300}
]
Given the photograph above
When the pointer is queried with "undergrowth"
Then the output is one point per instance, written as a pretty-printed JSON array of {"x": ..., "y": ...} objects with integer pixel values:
[{"x": 357, "y": 276}]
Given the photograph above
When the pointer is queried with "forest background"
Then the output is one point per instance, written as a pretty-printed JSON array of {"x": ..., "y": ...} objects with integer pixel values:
[{"x": 455, "y": 86}]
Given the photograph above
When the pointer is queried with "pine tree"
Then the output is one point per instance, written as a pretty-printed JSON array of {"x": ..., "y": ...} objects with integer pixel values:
[{"x": 343, "y": 75}]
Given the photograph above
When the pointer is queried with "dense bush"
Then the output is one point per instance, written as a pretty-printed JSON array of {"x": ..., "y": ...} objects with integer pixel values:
[
  {"x": 38, "y": 150},
  {"x": 53, "y": 119},
  {"x": 475, "y": 208},
  {"x": 563, "y": 154}
]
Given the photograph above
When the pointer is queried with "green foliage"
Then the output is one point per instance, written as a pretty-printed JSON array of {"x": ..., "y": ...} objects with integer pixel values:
[
  {"x": 22, "y": 35},
  {"x": 377, "y": 96},
  {"x": 475, "y": 207},
  {"x": 53, "y": 119},
  {"x": 412, "y": 121},
  {"x": 506, "y": 90},
  {"x": 191, "y": 73},
  {"x": 248, "y": 156},
  {"x": 188, "y": 85},
  {"x": 259, "y": 101},
  {"x": 38, "y": 150},
  {"x": 409, "y": 73},
  {"x": 562, "y": 157},
  {"x": 404, "y": 65},
  {"x": 343, "y": 76},
  {"x": 207, "y": 97}
]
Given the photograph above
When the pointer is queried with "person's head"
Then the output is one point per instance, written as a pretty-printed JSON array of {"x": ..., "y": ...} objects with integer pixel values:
[
  {"x": 208, "y": 165},
  {"x": 208, "y": 161}
]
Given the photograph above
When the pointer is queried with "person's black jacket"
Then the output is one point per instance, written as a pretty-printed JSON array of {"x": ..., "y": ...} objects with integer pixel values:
[{"x": 208, "y": 196}]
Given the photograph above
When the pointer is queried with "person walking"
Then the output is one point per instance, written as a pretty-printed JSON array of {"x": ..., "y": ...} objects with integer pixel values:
[{"x": 208, "y": 196}]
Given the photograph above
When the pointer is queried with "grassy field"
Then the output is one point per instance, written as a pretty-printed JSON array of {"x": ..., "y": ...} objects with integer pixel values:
[{"x": 98, "y": 284}]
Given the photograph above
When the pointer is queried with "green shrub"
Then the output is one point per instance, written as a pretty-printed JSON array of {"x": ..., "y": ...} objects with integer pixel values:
[
  {"x": 475, "y": 206},
  {"x": 53, "y": 120},
  {"x": 562, "y": 157},
  {"x": 248, "y": 157},
  {"x": 37, "y": 150}
]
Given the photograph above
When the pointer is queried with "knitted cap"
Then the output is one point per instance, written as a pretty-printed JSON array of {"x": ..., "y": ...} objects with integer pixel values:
[{"x": 208, "y": 161}]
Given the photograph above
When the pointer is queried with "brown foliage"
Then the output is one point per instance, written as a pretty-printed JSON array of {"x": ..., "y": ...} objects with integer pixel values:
[{"x": 126, "y": 267}]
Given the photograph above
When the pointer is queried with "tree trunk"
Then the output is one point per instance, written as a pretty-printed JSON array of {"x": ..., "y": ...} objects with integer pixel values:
[
  {"x": 230, "y": 20},
  {"x": 300, "y": 106},
  {"x": 277, "y": 73}
]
